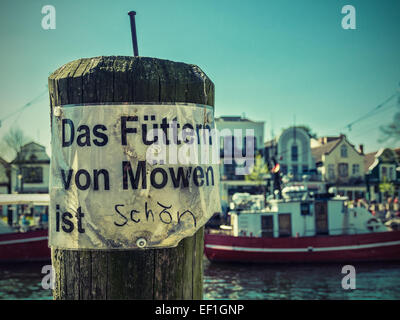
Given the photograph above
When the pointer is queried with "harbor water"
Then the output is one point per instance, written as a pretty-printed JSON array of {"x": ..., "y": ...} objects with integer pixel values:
[{"x": 246, "y": 281}]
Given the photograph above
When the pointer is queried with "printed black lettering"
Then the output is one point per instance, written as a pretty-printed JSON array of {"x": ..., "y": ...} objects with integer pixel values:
[
  {"x": 134, "y": 179},
  {"x": 125, "y": 130},
  {"x": 164, "y": 175},
  {"x": 66, "y": 181},
  {"x": 57, "y": 218},
  {"x": 180, "y": 176},
  {"x": 68, "y": 225},
  {"x": 65, "y": 142},
  {"x": 164, "y": 126},
  {"x": 84, "y": 138},
  {"x": 210, "y": 169},
  {"x": 197, "y": 176},
  {"x": 175, "y": 126},
  {"x": 106, "y": 179},
  {"x": 198, "y": 127},
  {"x": 144, "y": 134},
  {"x": 86, "y": 185},
  {"x": 102, "y": 136},
  {"x": 188, "y": 133},
  {"x": 80, "y": 216}
]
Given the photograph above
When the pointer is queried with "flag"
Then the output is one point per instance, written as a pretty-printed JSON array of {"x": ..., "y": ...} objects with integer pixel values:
[{"x": 276, "y": 168}]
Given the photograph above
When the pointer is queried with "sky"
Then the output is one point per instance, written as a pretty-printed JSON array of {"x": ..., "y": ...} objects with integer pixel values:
[{"x": 282, "y": 62}]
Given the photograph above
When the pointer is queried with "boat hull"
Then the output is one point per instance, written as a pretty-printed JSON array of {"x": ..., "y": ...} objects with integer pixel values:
[
  {"x": 24, "y": 246},
  {"x": 379, "y": 246}
]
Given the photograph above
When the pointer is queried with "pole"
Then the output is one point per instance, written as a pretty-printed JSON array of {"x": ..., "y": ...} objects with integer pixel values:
[
  {"x": 173, "y": 273},
  {"x": 133, "y": 31}
]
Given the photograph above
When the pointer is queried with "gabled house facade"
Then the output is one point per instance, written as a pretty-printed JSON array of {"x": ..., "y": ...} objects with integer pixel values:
[
  {"x": 30, "y": 170},
  {"x": 341, "y": 165},
  {"x": 381, "y": 166}
]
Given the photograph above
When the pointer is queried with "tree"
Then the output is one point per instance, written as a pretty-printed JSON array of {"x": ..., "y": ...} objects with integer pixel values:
[
  {"x": 392, "y": 130},
  {"x": 15, "y": 138},
  {"x": 258, "y": 173},
  {"x": 387, "y": 188}
]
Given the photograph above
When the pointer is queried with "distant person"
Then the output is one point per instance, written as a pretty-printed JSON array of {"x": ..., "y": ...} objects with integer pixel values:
[
  {"x": 24, "y": 224},
  {"x": 224, "y": 210},
  {"x": 45, "y": 220}
]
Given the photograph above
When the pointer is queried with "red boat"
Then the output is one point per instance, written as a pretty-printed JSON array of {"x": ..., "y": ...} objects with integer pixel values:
[
  {"x": 303, "y": 230},
  {"x": 24, "y": 246},
  {"x": 19, "y": 242}
]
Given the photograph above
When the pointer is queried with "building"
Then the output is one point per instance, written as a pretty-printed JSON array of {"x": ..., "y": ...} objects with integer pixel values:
[
  {"x": 381, "y": 166},
  {"x": 240, "y": 140},
  {"x": 292, "y": 151},
  {"x": 4, "y": 176},
  {"x": 341, "y": 165},
  {"x": 4, "y": 182},
  {"x": 30, "y": 170}
]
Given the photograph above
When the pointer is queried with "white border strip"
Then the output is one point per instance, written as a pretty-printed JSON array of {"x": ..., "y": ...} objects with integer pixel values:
[
  {"x": 308, "y": 249},
  {"x": 23, "y": 240}
]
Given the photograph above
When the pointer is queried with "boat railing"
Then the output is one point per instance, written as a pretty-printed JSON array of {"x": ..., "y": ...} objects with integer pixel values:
[
  {"x": 309, "y": 233},
  {"x": 338, "y": 231}
]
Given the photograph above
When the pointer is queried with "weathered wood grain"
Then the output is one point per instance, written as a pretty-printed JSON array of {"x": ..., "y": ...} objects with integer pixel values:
[{"x": 175, "y": 273}]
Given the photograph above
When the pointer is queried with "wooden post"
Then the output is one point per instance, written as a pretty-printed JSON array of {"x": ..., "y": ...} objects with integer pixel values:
[{"x": 175, "y": 273}]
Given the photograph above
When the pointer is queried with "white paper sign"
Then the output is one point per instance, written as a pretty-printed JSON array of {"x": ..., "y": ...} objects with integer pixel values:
[{"x": 127, "y": 176}]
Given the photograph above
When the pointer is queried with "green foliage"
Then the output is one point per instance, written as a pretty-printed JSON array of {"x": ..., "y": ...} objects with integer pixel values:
[
  {"x": 259, "y": 170},
  {"x": 387, "y": 187},
  {"x": 13, "y": 140}
]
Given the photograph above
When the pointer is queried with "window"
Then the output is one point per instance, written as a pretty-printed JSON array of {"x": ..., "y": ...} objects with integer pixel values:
[
  {"x": 356, "y": 169},
  {"x": 284, "y": 169},
  {"x": 32, "y": 174},
  {"x": 221, "y": 143},
  {"x": 343, "y": 151},
  {"x": 304, "y": 208},
  {"x": 388, "y": 172},
  {"x": 285, "y": 225},
  {"x": 226, "y": 146},
  {"x": 305, "y": 169},
  {"x": 295, "y": 170},
  {"x": 391, "y": 173},
  {"x": 343, "y": 170},
  {"x": 331, "y": 171},
  {"x": 267, "y": 226},
  {"x": 249, "y": 142},
  {"x": 384, "y": 172},
  {"x": 321, "y": 217},
  {"x": 295, "y": 151}
]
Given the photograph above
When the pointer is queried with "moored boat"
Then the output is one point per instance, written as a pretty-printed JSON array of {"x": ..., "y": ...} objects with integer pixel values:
[
  {"x": 19, "y": 242},
  {"x": 302, "y": 228}
]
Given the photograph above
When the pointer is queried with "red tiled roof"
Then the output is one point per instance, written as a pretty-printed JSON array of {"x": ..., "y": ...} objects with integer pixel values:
[{"x": 369, "y": 159}]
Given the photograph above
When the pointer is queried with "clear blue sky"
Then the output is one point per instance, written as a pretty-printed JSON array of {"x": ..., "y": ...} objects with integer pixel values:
[{"x": 272, "y": 60}]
